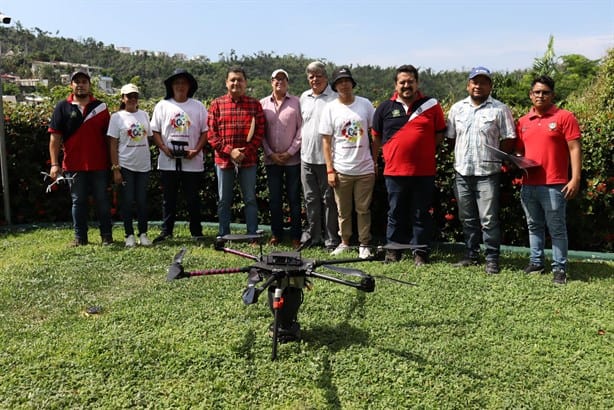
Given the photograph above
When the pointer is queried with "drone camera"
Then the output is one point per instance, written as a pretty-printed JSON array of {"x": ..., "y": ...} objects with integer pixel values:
[
  {"x": 179, "y": 149},
  {"x": 5, "y": 19}
]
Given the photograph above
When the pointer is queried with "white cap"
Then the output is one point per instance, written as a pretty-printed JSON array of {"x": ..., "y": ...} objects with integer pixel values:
[
  {"x": 279, "y": 70},
  {"x": 129, "y": 88}
]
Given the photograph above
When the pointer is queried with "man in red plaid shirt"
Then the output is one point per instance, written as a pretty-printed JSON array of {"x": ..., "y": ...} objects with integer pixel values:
[{"x": 236, "y": 129}]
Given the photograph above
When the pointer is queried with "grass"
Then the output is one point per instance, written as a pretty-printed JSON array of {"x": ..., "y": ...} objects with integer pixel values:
[{"x": 460, "y": 339}]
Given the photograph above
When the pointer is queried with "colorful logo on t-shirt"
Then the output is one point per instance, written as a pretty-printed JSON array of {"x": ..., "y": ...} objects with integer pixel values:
[
  {"x": 181, "y": 121},
  {"x": 352, "y": 130},
  {"x": 136, "y": 131}
]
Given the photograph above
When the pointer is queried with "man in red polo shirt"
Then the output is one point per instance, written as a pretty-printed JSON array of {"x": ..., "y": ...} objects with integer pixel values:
[
  {"x": 409, "y": 126},
  {"x": 549, "y": 136},
  {"x": 78, "y": 129}
]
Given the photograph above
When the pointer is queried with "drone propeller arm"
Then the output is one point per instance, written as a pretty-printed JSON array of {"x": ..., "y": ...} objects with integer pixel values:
[
  {"x": 221, "y": 247},
  {"x": 367, "y": 284},
  {"x": 220, "y": 271}
]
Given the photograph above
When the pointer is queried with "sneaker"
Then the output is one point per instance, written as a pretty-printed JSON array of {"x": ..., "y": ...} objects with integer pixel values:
[
  {"x": 130, "y": 241},
  {"x": 162, "y": 237},
  {"x": 560, "y": 278},
  {"x": 107, "y": 240},
  {"x": 274, "y": 241},
  {"x": 144, "y": 240},
  {"x": 534, "y": 268},
  {"x": 340, "y": 249},
  {"x": 420, "y": 258},
  {"x": 364, "y": 252},
  {"x": 392, "y": 256},
  {"x": 492, "y": 267},
  {"x": 463, "y": 263},
  {"x": 331, "y": 247}
]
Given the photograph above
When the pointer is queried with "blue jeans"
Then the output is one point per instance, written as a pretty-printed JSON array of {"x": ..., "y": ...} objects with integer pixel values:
[
  {"x": 320, "y": 206},
  {"x": 96, "y": 183},
  {"x": 478, "y": 210},
  {"x": 546, "y": 205},
  {"x": 189, "y": 182},
  {"x": 225, "y": 189},
  {"x": 134, "y": 192},
  {"x": 277, "y": 177},
  {"x": 409, "y": 199}
]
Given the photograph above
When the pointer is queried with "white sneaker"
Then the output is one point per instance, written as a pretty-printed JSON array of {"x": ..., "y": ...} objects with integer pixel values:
[
  {"x": 364, "y": 252},
  {"x": 144, "y": 240},
  {"x": 340, "y": 249},
  {"x": 130, "y": 241}
]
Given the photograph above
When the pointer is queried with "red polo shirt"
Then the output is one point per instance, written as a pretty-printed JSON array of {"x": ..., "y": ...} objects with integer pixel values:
[{"x": 409, "y": 147}]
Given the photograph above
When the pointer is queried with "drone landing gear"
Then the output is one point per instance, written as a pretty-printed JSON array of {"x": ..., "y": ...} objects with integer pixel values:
[{"x": 285, "y": 304}]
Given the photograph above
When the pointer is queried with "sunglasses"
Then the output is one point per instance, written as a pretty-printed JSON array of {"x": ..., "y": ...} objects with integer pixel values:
[{"x": 132, "y": 96}]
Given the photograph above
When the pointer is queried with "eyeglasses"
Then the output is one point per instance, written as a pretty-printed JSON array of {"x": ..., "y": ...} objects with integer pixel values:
[
  {"x": 132, "y": 96},
  {"x": 279, "y": 79},
  {"x": 541, "y": 92}
]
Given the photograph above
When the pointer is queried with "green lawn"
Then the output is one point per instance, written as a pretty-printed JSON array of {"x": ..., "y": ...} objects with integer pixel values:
[{"x": 460, "y": 339}]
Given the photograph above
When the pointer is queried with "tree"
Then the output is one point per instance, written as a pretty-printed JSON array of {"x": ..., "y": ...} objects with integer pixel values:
[{"x": 547, "y": 64}]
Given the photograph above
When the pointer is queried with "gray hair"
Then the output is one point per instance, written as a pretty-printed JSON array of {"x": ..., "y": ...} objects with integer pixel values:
[{"x": 316, "y": 67}]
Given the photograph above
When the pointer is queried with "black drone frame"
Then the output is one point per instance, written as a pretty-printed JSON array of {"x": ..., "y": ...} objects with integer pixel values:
[{"x": 284, "y": 275}]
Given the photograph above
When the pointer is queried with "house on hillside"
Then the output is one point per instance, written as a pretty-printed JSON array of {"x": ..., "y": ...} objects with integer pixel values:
[{"x": 106, "y": 84}]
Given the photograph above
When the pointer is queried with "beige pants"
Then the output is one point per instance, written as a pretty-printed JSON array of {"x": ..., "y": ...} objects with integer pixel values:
[{"x": 356, "y": 189}]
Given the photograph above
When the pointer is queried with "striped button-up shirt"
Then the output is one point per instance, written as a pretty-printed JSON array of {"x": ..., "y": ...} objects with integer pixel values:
[{"x": 473, "y": 127}]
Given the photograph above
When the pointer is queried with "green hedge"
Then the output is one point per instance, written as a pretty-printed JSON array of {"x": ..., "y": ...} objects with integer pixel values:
[{"x": 590, "y": 216}]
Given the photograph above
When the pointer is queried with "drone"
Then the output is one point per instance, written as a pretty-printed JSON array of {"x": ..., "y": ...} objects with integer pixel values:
[
  {"x": 59, "y": 179},
  {"x": 284, "y": 275}
]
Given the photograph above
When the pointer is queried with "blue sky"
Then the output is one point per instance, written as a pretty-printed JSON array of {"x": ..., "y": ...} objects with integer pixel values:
[{"x": 438, "y": 34}]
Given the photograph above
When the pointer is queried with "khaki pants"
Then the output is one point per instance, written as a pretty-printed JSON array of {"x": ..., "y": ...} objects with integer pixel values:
[{"x": 356, "y": 189}]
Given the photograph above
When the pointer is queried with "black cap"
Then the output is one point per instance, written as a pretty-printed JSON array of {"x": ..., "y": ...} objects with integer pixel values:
[
  {"x": 340, "y": 73},
  {"x": 78, "y": 73},
  {"x": 180, "y": 72}
]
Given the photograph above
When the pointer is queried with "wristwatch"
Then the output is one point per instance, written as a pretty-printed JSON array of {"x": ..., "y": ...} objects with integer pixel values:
[{"x": 115, "y": 167}]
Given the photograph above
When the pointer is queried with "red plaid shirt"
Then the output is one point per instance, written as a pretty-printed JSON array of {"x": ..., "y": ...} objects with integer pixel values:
[{"x": 229, "y": 123}]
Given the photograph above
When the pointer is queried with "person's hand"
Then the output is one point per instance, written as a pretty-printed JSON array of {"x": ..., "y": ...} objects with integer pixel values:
[
  {"x": 280, "y": 158},
  {"x": 167, "y": 151},
  {"x": 332, "y": 179},
  {"x": 117, "y": 177},
  {"x": 55, "y": 172},
  {"x": 237, "y": 155},
  {"x": 571, "y": 189},
  {"x": 191, "y": 153},
  {"x": 284, "y": 157}
]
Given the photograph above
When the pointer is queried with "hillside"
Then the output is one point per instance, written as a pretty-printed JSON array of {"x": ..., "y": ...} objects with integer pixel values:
[{"x": 21, "y": 47}]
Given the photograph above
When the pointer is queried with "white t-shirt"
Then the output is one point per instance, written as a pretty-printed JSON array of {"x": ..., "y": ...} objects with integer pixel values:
[
  {"x": 349, "y": 127},
  {"x": 182, "y": 122},
  {"x": 132, "y": 130}
]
